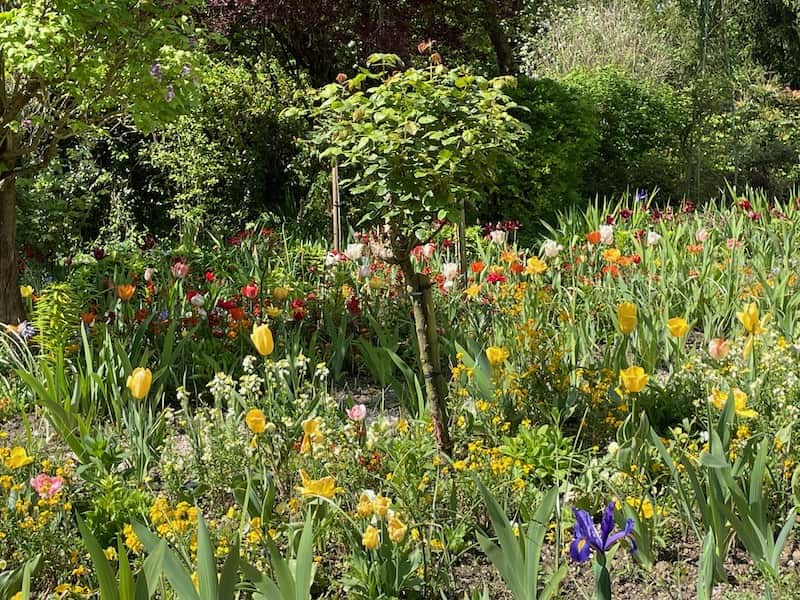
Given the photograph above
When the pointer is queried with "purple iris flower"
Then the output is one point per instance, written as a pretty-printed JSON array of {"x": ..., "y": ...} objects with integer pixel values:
[{"x": 586, "y": 538}]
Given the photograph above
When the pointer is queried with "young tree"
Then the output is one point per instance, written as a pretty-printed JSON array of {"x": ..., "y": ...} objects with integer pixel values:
[
  {"x": 415, "y": 145},
  {"x": 72, "y": 65}
]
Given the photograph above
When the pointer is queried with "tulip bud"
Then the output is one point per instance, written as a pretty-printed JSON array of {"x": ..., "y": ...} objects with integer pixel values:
[
  {"x": 262, "y": 339},
  {"x": 139, "y": 382}
]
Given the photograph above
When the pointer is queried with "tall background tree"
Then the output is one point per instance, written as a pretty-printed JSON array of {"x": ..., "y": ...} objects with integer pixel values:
[
  {"x": 72, "y": 66},
  {"x": 329, "y": 36}
]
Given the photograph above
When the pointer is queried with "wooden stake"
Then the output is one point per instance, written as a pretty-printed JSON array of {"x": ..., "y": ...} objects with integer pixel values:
[{"x": 337, "y": 216}]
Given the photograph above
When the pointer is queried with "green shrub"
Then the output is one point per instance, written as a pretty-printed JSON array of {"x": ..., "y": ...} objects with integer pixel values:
[
  {"x": 640, "y": 126},
  {"x": 562, "y": 138}
]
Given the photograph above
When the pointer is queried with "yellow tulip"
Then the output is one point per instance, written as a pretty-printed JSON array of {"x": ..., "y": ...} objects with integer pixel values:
[
  {"x": 312, "y": 434},
  {"x": 626, "y": 317},
  {"x": 678, "y": 327},
  {"x": 17, "y": 458},
  {"x": 324, "y": 488},
  {"x": 256, "y": 421},
  {"x": 26, "y": 291},
  {"x": 397, "y": 530},
  {"x": 720, "y": 398},
  {"x": 749, "y": 318},
  {"x": 365, "y": 504},
  {"x": 381, "y": 505},
  {"x": 139, "y": 382},
  {"x": 535, "y": 266},
  {"x": 496, "y": 355},
  {"x": 370, "y": 539},
  {"x": 280, "y": 293},
  {"x": 633, "y": 379},
  {"x": 262, "y": 339},
  {"x": 611, "y": 255}
]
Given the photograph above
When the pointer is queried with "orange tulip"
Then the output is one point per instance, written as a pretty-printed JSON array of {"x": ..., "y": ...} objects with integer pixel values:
[{"x": 125, "y": 291}]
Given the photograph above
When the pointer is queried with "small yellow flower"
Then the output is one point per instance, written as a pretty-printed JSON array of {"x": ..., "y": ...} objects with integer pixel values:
[
  {"x": 280, "y": 293},
  {"x": 26, "y": 291},
  {"x": 535, "y": 266},
  {"x": 611, "y": 255},
  {"x": 256, "y": 421},
  {"x": 633, "y": 379},
  {"x": 678, "y": 327},
  {"x": 365, "y": 505},
  {"x": 370, "y": 539}
]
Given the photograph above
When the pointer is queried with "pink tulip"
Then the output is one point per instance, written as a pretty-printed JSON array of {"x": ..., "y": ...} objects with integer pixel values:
[
  {"x": 718, "y": 348},
  {"x": 47, "y": 486},
  {"x": 250, "y": 290},
  {"x": 357, "y": 412},
  {"x": 180, "y": 269},
  {"x": 701, "y": 236}
]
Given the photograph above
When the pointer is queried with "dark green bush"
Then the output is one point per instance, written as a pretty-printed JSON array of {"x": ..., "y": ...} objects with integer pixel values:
[
  {"x": 641, "y": 127},
  {"x": 562, "y": 138}
]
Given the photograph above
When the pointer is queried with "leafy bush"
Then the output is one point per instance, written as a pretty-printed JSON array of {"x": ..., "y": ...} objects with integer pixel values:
[
  {"x": 640, "y": 132},
  {"x": 551, "y": 159},
  {"x": 232, "y": 157}
]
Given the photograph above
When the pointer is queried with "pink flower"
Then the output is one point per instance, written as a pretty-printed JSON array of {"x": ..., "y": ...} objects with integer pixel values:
[
  {"x": 701, "y": 236},
  {"x": 357, "y": 412},
  {"x": 180, "y": 269},
  {"x": 47, "y": 486},
  {"x": 718, "y": 348},
  {"x": 732, "y": 243}
]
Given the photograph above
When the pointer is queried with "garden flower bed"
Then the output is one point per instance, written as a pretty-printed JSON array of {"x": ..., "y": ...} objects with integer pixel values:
[{"x": 248, "y": 413}]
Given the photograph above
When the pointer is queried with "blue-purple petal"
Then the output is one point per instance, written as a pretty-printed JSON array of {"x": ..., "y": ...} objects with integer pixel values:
[
  {"x": 580, "y": 550},
  {"x": 584, "y": 528},
  {"x": 627, "y": 532},
  {"x": 607, "y": 522}
]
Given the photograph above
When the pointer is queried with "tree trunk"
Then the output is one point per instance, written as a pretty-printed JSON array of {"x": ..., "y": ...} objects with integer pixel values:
[
  {"x": 506, "y": 65},
  {"x": 419, "y": 289},
  {"x": 12, "y": 310}
]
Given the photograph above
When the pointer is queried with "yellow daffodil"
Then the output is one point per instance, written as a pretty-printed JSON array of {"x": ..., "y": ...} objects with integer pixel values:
[
  {"x": 678, "y": 327},
  {"x": 633, "y": 379},
  {"x": 256, "y": 421},
  {"x": 719, "y": 398},
  {"x": 397, "y": 530},
  {"x": 323, "y": 488},
  {"x": 139, "y": 382},
  {"x": 496, "y": 355},
  {"x": 370, "y": 539},
  {"x": 262, "y": 339},
  {"x": 18, "y": 458},
  {"x": 626, "y": 317}
]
